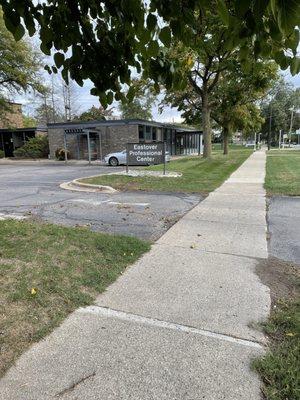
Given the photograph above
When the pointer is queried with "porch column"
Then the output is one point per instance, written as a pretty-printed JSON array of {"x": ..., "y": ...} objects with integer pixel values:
[
  {"x": 65, "y": 146},
  {"x": 89, "y": 147}
]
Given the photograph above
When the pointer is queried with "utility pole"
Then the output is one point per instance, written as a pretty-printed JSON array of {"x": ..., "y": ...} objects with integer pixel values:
[
  {"x": 53, "y": 101},
  {"x": 270, "y": 127},
  {"x": 291, "y": 125},
  {"x": 46, "y": 109},
  {"x": 279, "y": 142}
]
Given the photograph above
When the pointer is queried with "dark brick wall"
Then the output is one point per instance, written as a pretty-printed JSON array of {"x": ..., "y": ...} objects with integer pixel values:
[
  {"x": 12, "y": 118},
  {"x": 113, "y": 138}
]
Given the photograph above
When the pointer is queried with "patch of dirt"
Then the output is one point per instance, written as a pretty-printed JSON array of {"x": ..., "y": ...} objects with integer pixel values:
[{"x": 283, "y": 278}]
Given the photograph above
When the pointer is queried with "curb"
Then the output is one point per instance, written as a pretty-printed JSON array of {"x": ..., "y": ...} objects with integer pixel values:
[{"x": 75, "y": 185}]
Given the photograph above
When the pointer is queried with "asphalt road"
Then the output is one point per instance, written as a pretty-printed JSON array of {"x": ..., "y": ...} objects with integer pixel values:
[
  {"x": 33, "y": 189},
  {"x": 284, "y": 228}
]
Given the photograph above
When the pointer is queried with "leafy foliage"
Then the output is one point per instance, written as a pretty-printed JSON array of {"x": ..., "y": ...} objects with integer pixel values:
[
  {"x": 277, "y": 109},
  {"x": 96, "y": 113},
  {"x": 19, "y": 65},
  {"x": 46, "y": 113},
  {"x": 236, "y": 95},
  {"x": 139, "y": 106},
  {"x": 37, "y": 147},
  {"x": 126, "y": 35},
  {"x": 2, "y": 154},
  {"x": 217, "y": 84},
  {"x": 29, "y": 122}
]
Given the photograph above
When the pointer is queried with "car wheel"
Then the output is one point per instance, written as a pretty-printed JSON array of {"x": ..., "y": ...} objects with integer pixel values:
[{"x": 113, "y": 161}]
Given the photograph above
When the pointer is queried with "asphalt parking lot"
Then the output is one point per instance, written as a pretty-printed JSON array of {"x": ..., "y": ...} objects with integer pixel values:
[
  {"x": 284, "y": 228},
  {"x": 33, "y": 189}
]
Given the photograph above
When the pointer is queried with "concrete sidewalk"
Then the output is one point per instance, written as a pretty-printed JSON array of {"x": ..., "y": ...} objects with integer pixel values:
[{"x": 178, "y": 324}]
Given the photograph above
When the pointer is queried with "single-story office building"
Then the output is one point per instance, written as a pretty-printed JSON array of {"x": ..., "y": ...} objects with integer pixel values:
[
  {"x": 95, "y": 139},
  {"x": 12, "y": 139}
]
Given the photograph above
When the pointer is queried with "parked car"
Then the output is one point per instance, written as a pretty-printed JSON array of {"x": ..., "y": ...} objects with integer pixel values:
[{"x": 119, "y": 158}]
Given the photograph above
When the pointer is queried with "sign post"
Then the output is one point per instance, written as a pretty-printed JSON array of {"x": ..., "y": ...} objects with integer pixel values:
[
  {"x": 164, "y": 158},
  {"x": 145, "y": 154},
  {"x": 127, "y": 159}
]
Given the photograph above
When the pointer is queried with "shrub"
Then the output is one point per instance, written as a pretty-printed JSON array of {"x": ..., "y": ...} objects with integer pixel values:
[
  {"x": 37, "y": 147},
  {"x": 60, "y": 154},
  {"x": 2, "y": 155}
]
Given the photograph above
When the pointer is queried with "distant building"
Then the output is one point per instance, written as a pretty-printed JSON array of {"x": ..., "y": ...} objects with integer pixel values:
[
  {"x": 105, "y": 136},
  {"x": 237, "y": 138},
  {"x": 12, "y": 132}
]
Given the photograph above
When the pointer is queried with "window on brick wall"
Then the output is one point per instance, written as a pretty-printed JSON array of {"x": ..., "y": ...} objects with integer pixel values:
[
  {"x": 154, "y": 133},
  {"x": 141, "y": 133},
  {"x": 148, "y": 135}
]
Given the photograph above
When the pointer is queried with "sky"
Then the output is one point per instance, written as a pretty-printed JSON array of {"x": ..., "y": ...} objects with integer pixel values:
[{"x": 85, "y": 101}]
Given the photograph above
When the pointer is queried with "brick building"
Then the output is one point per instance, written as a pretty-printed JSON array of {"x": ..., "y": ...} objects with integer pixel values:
[
  {"x": 12, "y": 118},
  {"x": 103, "y": 137},
  {"x": 12, "y": 132}
]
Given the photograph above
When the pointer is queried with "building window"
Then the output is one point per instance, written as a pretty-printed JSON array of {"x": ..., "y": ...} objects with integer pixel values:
[
  {"x": 148, "y": 135},
  {"x": 154, "y": 134},
  {"x": 141, "y": 133},
  {"x": 159, "y": 134},
  {"x": 165, "y": 135}
]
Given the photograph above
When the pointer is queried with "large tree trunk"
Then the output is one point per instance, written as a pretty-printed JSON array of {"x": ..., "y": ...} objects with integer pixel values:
[
  {"x": 225, "y": 140},
  {"x": 206, "y": 125}
]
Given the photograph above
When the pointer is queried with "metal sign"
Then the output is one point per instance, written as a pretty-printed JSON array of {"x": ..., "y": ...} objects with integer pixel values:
[{"x": 145, "y": 153}]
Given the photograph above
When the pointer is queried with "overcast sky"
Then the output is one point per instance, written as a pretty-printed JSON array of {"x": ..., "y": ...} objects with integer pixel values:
[{"x": 85, "y": 101}]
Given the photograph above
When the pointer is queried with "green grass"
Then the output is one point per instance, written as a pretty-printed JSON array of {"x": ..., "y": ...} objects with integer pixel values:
[
  {"x": 232, "y": 146},
  {"x": 283, "y": 172},
  {"x": 198, "y": 174},
  {"x": 279, "y": 368},
  {"x": 47, "y": 271}
]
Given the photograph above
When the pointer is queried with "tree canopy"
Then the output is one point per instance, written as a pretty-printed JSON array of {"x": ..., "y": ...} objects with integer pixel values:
[
  {"x": 141, "y": 105},
  {"x": 233, "y": 100},
  {"x": 277, "y": 109},
  {"x": 19, "y": 66},
  {"x": 123, "y": 35},
  {"x": 96, "y": 113}
]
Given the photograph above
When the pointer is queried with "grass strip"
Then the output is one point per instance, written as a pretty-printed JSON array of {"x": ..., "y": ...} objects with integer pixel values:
[
  {"x": 279, "y": 367},
  {"x": 47, "y": 271},
  {"x": 199, "y": 175},
  {"x": 283, "y": 172}
]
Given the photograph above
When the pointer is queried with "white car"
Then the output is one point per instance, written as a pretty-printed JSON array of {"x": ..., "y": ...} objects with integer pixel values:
[{"x": 119, "y": 158}]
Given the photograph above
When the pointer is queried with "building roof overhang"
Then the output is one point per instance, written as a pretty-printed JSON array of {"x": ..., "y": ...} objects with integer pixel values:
[{"x": 120, "y": 122}]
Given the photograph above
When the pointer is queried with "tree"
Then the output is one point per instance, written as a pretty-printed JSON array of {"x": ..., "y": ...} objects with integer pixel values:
[
  {"x": 233, "y": 100},
  {"x": 126, "y": 35},
  {"x": 46, "y": 114},
  {"x": 140, "y": 106},
  {"x": 19, "y": 66},
  {"x": 236, "y": 97},
  {"x": 29, "y": 122},
  {"x": 201, "y": 67},
  {"x": 96, "y": 113},
  {"x": 277, "y": 108}
]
